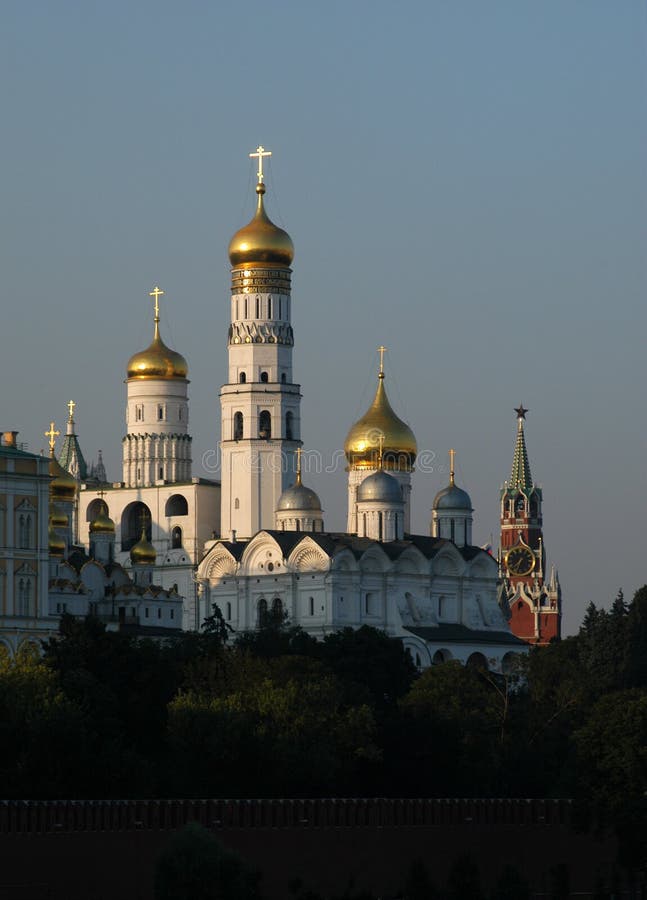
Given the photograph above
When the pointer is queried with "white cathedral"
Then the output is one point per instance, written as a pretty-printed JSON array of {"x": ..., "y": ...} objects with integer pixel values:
[{"x": 255, "y": 543}]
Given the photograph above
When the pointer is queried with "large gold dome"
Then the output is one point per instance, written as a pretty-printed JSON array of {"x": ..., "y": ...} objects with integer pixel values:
[
  {"x": 157, "y": 361},
  {"x": 381, "y": 425},
  {"x": 261, "y": 241}
]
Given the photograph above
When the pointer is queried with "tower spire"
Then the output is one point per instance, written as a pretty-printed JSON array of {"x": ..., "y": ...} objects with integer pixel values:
[
  {"x": 520, "y": 476},
  {"x": 452, "y": 471}
]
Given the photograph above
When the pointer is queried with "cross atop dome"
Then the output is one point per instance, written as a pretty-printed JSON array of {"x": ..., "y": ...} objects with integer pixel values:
[
  {"x": 156, "y": 293},
  {"x": 260, "y": 154}
]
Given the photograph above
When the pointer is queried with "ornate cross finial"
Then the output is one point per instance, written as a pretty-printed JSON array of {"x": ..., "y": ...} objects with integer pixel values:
[
  {"x": 71, "y": 406},
  {"x": 52, "y": 435},
  {"x": 157, "y": 294},
  {"x": 520, "y": 411},
  {"x": 381, "y": 351},
  {"x": 261, "y": 152},
  {"x": 101, "y": 492},
  {"x": 299, "y": 451},
  {"x": 452, "y": 460}
]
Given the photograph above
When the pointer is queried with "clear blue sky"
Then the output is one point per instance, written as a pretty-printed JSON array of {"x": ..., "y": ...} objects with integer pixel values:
[{"x": 464, "y": 181}]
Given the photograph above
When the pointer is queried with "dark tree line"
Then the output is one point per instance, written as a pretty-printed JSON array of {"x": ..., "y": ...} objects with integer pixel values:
[{"x": 276, "y": 713}]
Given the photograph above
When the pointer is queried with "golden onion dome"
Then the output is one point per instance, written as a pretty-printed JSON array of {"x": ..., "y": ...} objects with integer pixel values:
[
  {"x": 157, "y": 361},
  {"x": 63, "y": 485},
  {"x": 380, "y": 430},
  {"x": 59, "y": 519},
  {"x": 261, "y": 241},
  {"x": 102, "y": 523},
  {"x": 55, "y": 543},
  {"x": 143, "y": 553}
]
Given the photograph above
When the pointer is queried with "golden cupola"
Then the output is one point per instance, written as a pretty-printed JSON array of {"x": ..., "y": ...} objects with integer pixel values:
[
  {"x": 157, "y": 361},
  {"x": 381, "y": 432},
  {"x": 102, "y": 523},
  {"x": 63, "y": 486},
  {"x": 143, "y": 553},
  {"x": 261, "y": 242}
]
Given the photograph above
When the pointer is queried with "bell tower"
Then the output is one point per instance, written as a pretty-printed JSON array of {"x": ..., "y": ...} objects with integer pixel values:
[
  {"x": 534, "y": 602},
  {"x": 260, "y": 404}
]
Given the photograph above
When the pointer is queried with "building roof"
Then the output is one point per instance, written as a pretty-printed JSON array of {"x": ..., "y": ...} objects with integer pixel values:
[{"x": 461, "y": 634}]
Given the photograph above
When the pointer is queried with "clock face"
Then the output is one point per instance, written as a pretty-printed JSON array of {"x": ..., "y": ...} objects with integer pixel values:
[{"x": 520, "y": 561}]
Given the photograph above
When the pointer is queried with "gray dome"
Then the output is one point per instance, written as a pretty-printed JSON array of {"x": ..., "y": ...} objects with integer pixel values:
[
  {"x": 298, "y": 497},
  {"x": 452, "y": 497},
  {"x": 380, "y": 486}
]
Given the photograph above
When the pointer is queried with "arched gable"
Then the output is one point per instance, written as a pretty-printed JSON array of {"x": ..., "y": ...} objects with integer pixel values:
[
  {"x": 483, "y": 566},
  {"x": 218, "y": 563},
  {"x": 412, "y": 562},
  {"x": 344, "y": 561},
  {"x": 374, "y": 560},
  {"x": 262, "y": 556},
  {"x": 448, "y": 562},
  {"x": 308, "y": 556}
]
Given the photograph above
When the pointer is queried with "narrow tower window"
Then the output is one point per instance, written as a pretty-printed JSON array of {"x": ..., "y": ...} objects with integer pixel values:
[
  {"x": 269, "y": 307},
  {"x": 176, "y": 538},
  {"x": 264, "y": 377},
  {"x": 289, "y": 418},
  {"x": 265, "y": 425},
  {"x": 258, "y": 303},
  {"x": 238, "y": 426},
  {"x": 242, "y": 378}
]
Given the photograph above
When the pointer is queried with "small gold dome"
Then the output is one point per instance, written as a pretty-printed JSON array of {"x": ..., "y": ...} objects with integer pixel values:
[
  {"x": 157, "y": 361},
  {"x": 261, "y": 241},
  {"x": 63, "y": 485},
  {"x": 102, "y": 524},
  {"x": 59, "y": 519},
  {"x": 143, "y": 553},
  {"x": 55, "y": 542},
  {"x": 362, "y": 446}
]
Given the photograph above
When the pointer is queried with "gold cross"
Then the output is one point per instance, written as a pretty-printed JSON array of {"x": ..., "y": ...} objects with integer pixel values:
[
  {"x": 260, "y": 153},
  {"x": 157, "y": 294},
  {"x": 452, "y": 457},
  {"x": 381, "y": 443},
  {"x": 71, "y": 406},
  {"x": 381, "y": 351},
  {"x": 52, "y": 435},
  {"x": 299, "y": 451}
]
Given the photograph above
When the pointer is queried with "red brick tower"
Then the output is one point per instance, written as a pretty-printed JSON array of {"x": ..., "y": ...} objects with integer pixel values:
[{"x": 535, "y": 605}]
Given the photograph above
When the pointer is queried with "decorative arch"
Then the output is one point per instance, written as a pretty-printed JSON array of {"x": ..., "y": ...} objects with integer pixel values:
[
  {"x": 441, "y": 656},
  {"x": 374, "y": 560},
  {"x": 176, "y": 505},
  {"x": 262, "y": 556},
  {"x": 448, "y": 562},
  {"x": 308, "y": 556}
]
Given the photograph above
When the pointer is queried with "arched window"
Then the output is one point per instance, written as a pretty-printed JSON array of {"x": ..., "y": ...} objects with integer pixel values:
[
  {"x": 269, "y": 307},
  {"x": 477, "y": 661},
  {"x": 264, "y": 377},
  {"x": 265, "y": 425},
  {"x": 262, "y": 612},
  {"x": 242, "y": 378},
  {"x": 277, "y": 611},
  {"x": 228, "y": 610},
  {"x": 519, "y": 506},
  {"x": 441, "y": 606},
  {"x": 283, "y": 378},
  {"x": 176, "y": 538},
  {"x": 289, "y": 420},
  {"x": 534, "y": 511},
  {"x": 311, "y": 605},
  {"x": 131, "y": 524},
  {"x": 258, "y": 303},
  {"x": 238, "y": 426},
  {"x": 176, "y": 506},
  {"x": 236, "y": 503}
]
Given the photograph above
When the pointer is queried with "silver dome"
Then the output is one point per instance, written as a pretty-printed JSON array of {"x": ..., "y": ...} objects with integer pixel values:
[
  {"x": 380, "y": 486},
  {"x": 298, "y": 497},
  {"x": 452, "y": 497}
]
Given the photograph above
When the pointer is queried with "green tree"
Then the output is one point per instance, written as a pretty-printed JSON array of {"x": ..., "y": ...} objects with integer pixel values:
[{"x": 195, "y": 866}]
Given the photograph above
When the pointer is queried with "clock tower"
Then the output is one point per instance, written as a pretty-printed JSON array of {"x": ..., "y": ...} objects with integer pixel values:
[{"x": 534, "y": 603}]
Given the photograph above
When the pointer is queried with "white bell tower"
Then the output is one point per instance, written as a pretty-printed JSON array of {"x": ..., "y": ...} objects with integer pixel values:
[{"x": 260, "y": 404}]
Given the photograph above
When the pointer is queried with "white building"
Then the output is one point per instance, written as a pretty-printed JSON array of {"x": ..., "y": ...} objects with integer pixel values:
[{"x": 438, "y": 594}]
